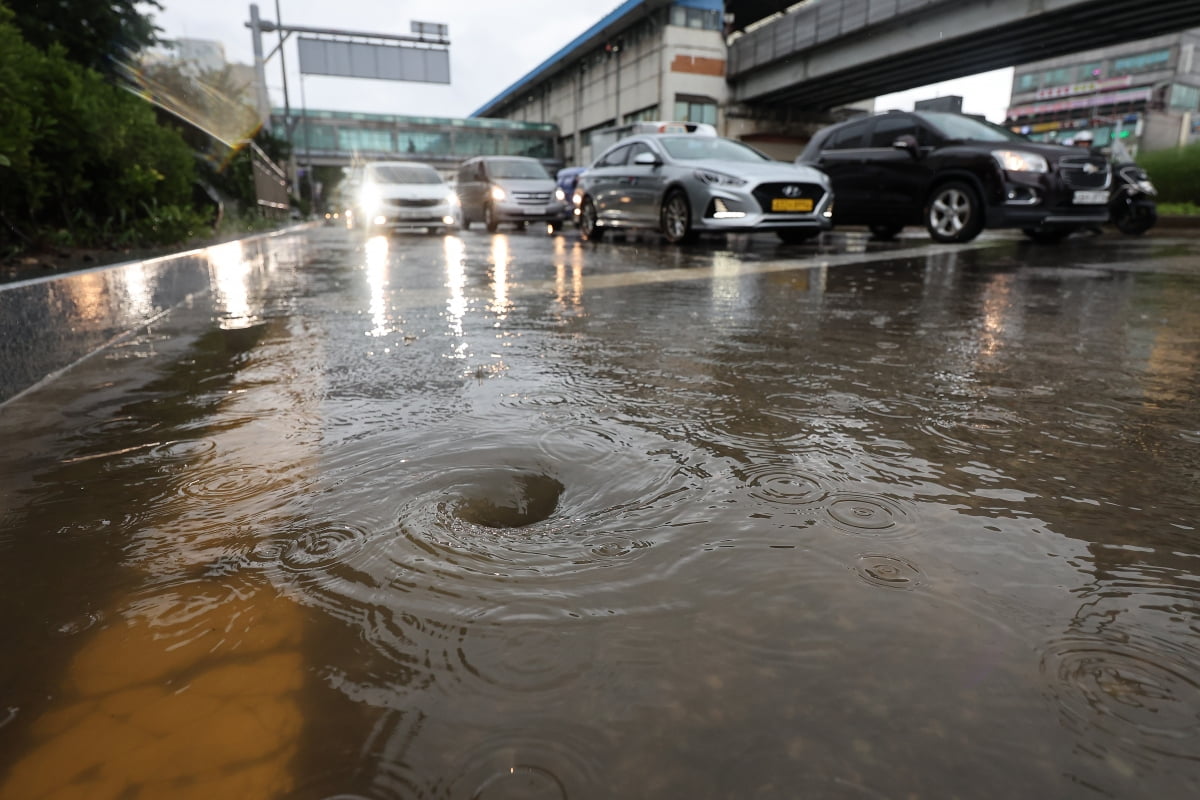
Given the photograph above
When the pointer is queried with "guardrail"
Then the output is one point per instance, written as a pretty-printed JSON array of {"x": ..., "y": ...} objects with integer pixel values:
[{"x": 270, "y": 185}]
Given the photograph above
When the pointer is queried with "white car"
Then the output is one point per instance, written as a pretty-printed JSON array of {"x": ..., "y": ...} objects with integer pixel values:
[
  {"x": 683, "y": 184},
  {"x": 405, "y": 195}
]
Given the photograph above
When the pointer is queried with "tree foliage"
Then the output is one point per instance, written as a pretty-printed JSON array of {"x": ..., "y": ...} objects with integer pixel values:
[
  {"x": 84, "y": 158},
  {"x": 99, "y": 34}
]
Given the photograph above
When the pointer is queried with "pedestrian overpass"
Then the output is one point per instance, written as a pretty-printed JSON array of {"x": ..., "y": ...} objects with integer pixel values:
[{"x": 825, "y": 53}]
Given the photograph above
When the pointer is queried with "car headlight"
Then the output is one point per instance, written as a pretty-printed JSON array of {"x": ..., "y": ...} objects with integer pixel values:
[
  {"x": 560, "y": 195},
  {"x": 718, "y": 178},
  {"x": 498, "y": 194},
  {"x": 1147, "y": 187},
  {"x": 1020, "y": 161},
  {"x": 452, "y": 199},
  {"x": 370, "y": 199}
]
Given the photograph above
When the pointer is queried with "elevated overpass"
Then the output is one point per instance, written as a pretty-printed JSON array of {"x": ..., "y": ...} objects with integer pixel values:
[{"x": 826, "y": 53}]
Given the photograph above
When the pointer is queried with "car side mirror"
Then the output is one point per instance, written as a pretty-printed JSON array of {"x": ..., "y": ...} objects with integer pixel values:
[
  {"x": 908, "y": 143},
  {"x": 646, "y": 160}
]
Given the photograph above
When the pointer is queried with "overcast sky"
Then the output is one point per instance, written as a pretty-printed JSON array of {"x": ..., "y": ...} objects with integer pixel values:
[{"x": 492, "y": 45}]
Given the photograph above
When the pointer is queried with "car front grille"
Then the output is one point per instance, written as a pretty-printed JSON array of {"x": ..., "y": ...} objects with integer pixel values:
[
  {"x": 766, "y": 192},
  {"x": 403, "y": 202},
  {"x": 1084, "y": 173},
  {"x": 531, "y": 198}
]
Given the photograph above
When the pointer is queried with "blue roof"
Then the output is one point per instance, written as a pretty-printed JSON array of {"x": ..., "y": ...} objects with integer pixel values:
[{"x": 616, "y": 15}]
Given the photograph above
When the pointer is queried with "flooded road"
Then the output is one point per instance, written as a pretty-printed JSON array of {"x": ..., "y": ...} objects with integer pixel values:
[{"x": 517, "y": 516}]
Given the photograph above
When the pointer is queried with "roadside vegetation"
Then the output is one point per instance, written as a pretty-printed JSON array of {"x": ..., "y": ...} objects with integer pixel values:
[
  {"x": 85, "y": 162},
  {"x": 1176, "y": 175}
]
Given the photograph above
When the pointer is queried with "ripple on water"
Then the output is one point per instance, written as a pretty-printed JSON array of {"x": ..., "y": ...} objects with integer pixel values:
[
  {"x": 561, "y": 511},
  {"x": 521, "y": 651},
  {"x": 552, "y": 763},
  {"x": 782, "y": 483},
  {"x": 888, "y": 571},
  {"x": 868, "y": 514},
  {"x": 969, "y": 430},
  {"x": 319, "y": 546},
  {"x": 1117, "y": 687}
]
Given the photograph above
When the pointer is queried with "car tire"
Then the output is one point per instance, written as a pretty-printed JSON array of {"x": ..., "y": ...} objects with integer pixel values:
[
  {"x": 885, "y": 233},
  {"x": 799, "y": 236},
  {"x": 589, "y": 230},
  {"x": 675, "y": 218},
  {"x": 489, "y": 218},
  {"x": 954, "y": 213}
]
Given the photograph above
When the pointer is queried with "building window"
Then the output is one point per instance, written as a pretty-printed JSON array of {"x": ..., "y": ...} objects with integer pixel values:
[
  {"x": 1145, "y": 62},
  {"x": 1185, "y": 98},
  {"x": 1028, "y": 82},
  {"x": 645, "y": 115},
  {"x": 694, "y": 108},
  {"x": 1090, "y": 71},
  {"x": 1060, "y": 77},
  {"x": 687, "y": 17},
  {"x": 364, "y": 140}
]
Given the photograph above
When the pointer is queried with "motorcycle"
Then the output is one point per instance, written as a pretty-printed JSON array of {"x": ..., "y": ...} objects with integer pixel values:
[{"x": 1131, "y": 205}]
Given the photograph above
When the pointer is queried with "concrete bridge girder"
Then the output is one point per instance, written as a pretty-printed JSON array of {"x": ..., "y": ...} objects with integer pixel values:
[{"x": 869, "y": 54}]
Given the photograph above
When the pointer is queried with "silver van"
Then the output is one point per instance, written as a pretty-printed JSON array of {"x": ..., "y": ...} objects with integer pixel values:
[{"x": 499, "y": 189}]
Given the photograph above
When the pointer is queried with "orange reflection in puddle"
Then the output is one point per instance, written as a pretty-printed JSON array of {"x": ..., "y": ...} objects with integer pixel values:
[{"x": 212, "y": 716}]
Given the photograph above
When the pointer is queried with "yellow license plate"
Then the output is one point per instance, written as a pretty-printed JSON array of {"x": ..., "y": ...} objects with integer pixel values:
[{"x": 790, "y": 204}]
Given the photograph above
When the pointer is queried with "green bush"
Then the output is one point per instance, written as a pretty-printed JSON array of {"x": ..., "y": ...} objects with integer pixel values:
[
  {"x": 1175, "y": 173},
  {"x": 87, "y": 162}
]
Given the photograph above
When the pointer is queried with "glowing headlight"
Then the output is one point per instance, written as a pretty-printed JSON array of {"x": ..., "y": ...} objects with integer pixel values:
[
  {"x": 370, "y": 198},
  {"x": 1020, "y": 161},
  {"x": 498, "y": 194},
  {"x": 452, "y": 199},
  {"x": 717, "y": 178},
  {"x": 560, "y": 195}
]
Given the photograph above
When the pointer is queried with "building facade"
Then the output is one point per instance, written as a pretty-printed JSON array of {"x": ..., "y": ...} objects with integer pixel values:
[
  {"x": 646, "y": 60},
  {"x": 1145, "y": 92}
]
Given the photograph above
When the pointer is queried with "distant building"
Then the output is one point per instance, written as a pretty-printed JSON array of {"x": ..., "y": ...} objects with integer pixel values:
[
  {"x": 951, "y": 102},
  {"x": 646, "y": 60},
  {"x": 1146, "y": 92}
]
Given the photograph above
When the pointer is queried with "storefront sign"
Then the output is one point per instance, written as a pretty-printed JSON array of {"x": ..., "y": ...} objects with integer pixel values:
[
  {"x": 1090, "y": 101},
  {"x": 1085, "y": 88}
]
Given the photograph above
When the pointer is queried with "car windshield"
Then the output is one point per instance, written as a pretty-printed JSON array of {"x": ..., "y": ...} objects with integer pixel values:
[
  {"x": 517, "y": 169},
  {"x": 957, "y": 126},
  {"x": 696, "y": 148},
  {"x": 405, "y": 173}
]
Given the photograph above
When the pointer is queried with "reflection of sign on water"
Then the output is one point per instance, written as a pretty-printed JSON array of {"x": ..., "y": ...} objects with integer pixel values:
[{"x": 396, "y": 62}]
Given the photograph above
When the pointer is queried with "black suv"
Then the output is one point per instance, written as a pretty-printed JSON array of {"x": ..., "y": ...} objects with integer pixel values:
[{"x": 956, "y": 175}]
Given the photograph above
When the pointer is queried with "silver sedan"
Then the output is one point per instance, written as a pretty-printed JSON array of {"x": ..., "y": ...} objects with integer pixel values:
[{"x": 685, "y": 184}]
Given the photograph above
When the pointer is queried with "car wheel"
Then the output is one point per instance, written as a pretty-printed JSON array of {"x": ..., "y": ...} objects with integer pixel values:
[
  {"x": 588, "y": 229},
  {"x": 885, "y": 233},
  {"x": 1047, "y": 235},
  {"x": 954, "y": 213},
  {"x": 1135, "y": 219},
  {"x": 489, "y": 218},
  {"x": 798, "y": 236},
  {"x": 676, "y": 218}
]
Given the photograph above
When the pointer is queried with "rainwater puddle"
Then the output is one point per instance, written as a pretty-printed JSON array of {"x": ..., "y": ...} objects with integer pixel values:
[{"x": 517, "y": 517}]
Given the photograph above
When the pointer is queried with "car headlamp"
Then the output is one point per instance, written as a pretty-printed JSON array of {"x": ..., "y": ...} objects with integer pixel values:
[
  {"x": 1020, "y": 161},
  {"x": 371, "y": 198},
  {"x": 718, "y": 178},
  {"x": 498, "y": 194},
  {"x": 560, "y": 195}
]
